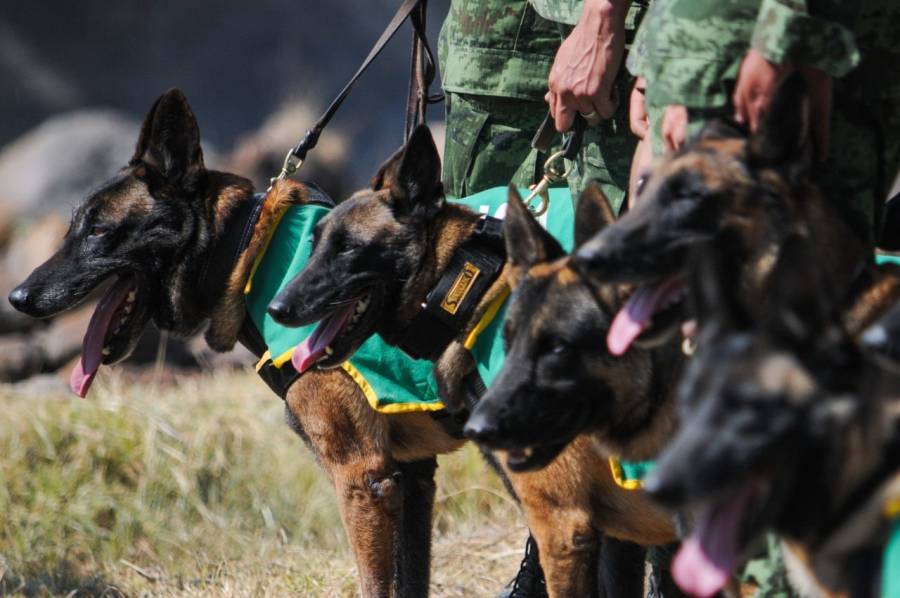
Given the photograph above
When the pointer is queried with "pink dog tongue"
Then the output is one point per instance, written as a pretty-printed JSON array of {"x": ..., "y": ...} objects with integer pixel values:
[
  {"x": 309, "y": 351},
  {"x": 637, "y": 312},
  {"x": 92, "y": 347},
  {"x": 705, "y": 560}
]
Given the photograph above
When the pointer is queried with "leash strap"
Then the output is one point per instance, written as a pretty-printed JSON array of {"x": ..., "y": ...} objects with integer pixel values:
[
  {"x": 422, "y": 72},
  {"x": 298, "y": 153},
  {"x": 449, "y": 305}
]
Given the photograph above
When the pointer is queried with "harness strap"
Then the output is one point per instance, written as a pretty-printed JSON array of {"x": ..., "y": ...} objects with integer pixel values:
[
  {"x": 449, "y": 305},
  {"x": 311, "y": 138}
]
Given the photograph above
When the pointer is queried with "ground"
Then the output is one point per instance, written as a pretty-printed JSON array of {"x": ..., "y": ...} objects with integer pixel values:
[{"x": 196, "y": 487}]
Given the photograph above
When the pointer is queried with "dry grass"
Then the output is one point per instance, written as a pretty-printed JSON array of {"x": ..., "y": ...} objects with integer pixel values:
[{"x": 199, "y": 489}]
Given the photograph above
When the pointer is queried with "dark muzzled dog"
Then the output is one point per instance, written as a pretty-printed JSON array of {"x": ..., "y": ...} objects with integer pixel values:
[
  {"x": 786, "y": 425},
  {"x": 559, "y": 380},
  {"x": 755, "y": 185},
  {"x": 154, "y": 228},
  {"x": 391, "y": 243}
]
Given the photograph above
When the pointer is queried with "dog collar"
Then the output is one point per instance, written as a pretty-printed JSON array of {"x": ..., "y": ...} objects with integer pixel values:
[
  {"x": 448, "y": 307},
  {"x": 224, "y": 253}
]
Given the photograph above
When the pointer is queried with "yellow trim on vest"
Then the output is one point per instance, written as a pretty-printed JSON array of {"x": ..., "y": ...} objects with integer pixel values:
[
  {"x": 372, "y": 396},
  {"x": 265, "y": 246},
  {"x": 892, "y": 509},
  {"x": 487, "y": 318},
  {"x": 620, "y": 480},
  {"x": 283, "y": 358},
  {"x": 262, "y": 360}
]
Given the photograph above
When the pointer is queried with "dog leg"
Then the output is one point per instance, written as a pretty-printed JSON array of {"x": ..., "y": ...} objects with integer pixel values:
[
  {"x": 621, "y": 569},
  {"x": 350, "y": 441},
  {"x": 568, "y": 548},
  {"x": 371, "y": 504},
  {"x": 418, "y": 502}
]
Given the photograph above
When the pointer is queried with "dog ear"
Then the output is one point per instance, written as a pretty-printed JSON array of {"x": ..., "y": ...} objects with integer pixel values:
[
  {"x": 527, "y": 243},
  {"x": 799, "y": 295},
  {"x": 592, "y": 214},
  {"x": 783, "y": 139},
  {"x": 170, "y": 139},
  {"x": 413, "y": 176}
]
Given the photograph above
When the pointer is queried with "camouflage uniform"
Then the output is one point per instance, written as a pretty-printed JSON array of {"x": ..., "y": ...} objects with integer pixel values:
[
  {"x": 690, "y": 52},
  {"x": 495, "y": 60}
]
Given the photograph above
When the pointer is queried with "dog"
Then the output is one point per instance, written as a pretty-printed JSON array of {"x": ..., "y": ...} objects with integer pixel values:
[
  {"x": 157, "y": 228},
  {"x": 787, "y": 425},
  {"x": 389, "y": 246},
  {"x": 559, "y": 381},
  {"x": 756, "y": 185}
]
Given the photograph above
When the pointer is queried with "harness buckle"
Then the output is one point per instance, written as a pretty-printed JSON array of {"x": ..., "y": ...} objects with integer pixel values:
[{"x": 292, "y": 164}]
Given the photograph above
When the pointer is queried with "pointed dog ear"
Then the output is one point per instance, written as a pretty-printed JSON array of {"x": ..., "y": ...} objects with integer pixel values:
[
  {"x": 592, "y": 214},
  {"x": 170, "y": 139},
  {"x": 413, "y": 175},
  {"x": 783, "y": 139},
  {"x": 527, "y": 243}
]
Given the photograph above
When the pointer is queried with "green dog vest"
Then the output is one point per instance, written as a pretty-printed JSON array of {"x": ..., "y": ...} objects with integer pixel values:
[{"x": 392, "y": 381}]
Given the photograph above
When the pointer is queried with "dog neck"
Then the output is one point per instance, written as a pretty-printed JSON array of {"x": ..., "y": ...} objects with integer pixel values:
[
  {"x": 228, "y": 311},
  {"x": 444, "y": 236}
]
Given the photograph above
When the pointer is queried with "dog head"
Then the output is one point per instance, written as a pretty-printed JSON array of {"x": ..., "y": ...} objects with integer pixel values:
[
  {"x": 766, "y": 412},
  {"x": 558, "y": 379},
  {"x": 721, "y": 180},
  {"x": 368, "y": 253},
  {"x": 139, "y": 229}
]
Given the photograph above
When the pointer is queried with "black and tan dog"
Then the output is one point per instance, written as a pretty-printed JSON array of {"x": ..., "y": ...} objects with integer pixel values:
[
  {"x": 392, "y": 244},
  {"x": 160, "y": 228},
  {"x": 559, "y": 380},
  {"x": 787, "y": 425},
  {"x": 757, "y": 186}
]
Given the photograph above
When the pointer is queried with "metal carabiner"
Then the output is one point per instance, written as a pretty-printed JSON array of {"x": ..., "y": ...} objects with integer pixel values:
[{"x": 291, "y": 165}]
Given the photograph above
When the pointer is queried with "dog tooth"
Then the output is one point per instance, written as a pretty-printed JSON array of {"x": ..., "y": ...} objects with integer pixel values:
[
  {"x": 105, "y": 351},
  {"x": 528, "y": 452},
  {"x": 131, "y": 296},
  {"x": 329, "y": 351},
  {"x": 128, "y": 308}
]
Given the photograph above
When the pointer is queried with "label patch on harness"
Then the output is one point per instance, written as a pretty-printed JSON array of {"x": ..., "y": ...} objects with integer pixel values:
[{"x": 461, "y": 287}]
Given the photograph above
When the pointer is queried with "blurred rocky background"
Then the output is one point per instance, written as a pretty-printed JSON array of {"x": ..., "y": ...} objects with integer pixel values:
[{"x": 78, "y": 78}]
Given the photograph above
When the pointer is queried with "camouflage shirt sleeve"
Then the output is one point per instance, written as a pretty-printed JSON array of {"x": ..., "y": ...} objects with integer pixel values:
[{"x": 786, "y": 32}]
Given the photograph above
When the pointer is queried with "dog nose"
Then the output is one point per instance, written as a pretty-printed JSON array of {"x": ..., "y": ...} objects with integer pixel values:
[
  {"x": 481, "y": 428},
  {"x": 280, "y": 310},
  {"x": 20, "y": 298}
]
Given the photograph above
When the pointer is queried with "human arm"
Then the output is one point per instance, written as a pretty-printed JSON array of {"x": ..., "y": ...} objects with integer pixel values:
[{"x": 584, "y": 71}]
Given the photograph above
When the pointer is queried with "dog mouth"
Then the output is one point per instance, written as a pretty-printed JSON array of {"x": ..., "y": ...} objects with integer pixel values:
[
  {"x": 331, "y": 343},
  {"x": 531, "y": 458},
  {"x": 111, "y": 333},
  {"x": 649, "y": 316},
  {"x": 725, "y": 527}
]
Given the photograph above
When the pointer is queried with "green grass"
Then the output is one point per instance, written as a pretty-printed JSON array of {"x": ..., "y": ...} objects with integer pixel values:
[{"x": 199, "y": 488}]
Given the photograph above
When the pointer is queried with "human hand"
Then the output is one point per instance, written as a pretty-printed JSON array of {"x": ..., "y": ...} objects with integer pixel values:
[
  {"x": 674, "y": 127},
  {"x": 756, "y": 84},
  {"x": 584, "y": 71},
  {"x": 638, "y": 119}
]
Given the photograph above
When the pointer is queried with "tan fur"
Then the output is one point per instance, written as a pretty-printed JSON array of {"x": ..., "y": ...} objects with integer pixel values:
[
  {"x": 875, "y": 301},
  {"x": 228, "y": 313},
  {"x": 570, "y": 502}
]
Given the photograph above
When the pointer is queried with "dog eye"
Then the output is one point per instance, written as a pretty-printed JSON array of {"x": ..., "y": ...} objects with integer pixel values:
[
  {"x": 559, "y": 346},
  {"x": 98, "y": 230}
]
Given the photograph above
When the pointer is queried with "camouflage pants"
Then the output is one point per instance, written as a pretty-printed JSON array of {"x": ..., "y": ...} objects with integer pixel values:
[{"x": 488, "y": 144}]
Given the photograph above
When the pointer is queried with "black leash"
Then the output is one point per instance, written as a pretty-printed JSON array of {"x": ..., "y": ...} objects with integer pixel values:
[{"x": 422, "y": 71}]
